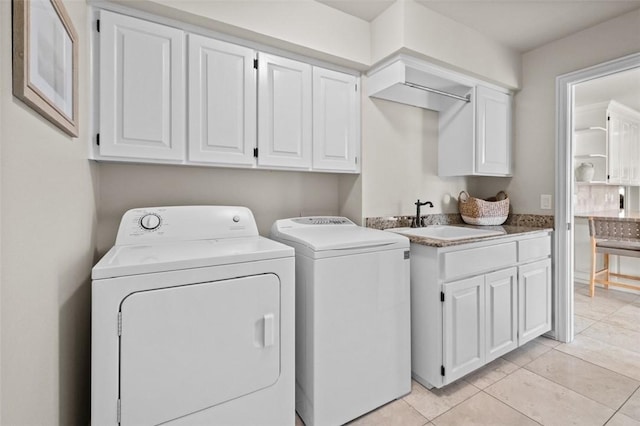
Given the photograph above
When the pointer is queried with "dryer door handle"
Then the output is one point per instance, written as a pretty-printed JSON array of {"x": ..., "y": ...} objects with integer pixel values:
[{"x": 269, "y": 323}]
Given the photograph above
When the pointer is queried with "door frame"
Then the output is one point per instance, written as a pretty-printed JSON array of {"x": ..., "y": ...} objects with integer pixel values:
[{"x": 563, "y": 271}]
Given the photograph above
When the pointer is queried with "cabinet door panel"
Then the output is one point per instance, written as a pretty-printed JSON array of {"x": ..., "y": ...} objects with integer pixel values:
[
  {"x": 614, "y": 149},
  {"x": 534, "y": 294},
  {"x": 634, "y": 153},
  {"x": 142, "y": 89},
  {"x": 501, "y": 292},
  {"x": 335, "y": 120},
  {"x": 493, "y": 132},
  {"x": 284, "y": 112},
  {"x": 463, "y": 327},
  {"x": 222, "y": 102}
]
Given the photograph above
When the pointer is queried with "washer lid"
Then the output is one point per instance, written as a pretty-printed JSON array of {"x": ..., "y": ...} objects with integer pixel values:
[
  {"x": 328, "y": 236},
  {"x": 124, "y": 260}
]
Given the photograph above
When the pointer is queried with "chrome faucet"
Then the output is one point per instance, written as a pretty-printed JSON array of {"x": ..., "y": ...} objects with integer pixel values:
[{"x": 417, "y": 221}]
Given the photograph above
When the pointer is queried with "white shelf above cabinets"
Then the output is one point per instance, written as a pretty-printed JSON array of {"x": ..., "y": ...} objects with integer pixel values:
[
  {"x": 595, "y": 129},
  {"x": 586, "y": 156},
  {"x": 244, "y": 108}
]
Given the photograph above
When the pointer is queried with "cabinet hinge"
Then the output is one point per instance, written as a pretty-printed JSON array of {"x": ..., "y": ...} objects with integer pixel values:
[
  {"x": 119, "y": 413},
  {"x": 255, "y": 63},
  {"x": 356, "y": 87},
  {"x": 98, "y": 139},
  {"x": 356, "y": 160},
  {"x": 119, "y": 323},
  {"x": 442, "y": 296},
  {"x": 255, "y": 152},
  {"x": 98, "y": 25},
  {"x": 442, "y": 370}
]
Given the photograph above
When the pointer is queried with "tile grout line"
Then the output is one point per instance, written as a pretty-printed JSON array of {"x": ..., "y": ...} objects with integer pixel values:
[
  {"x": 595, "y": 365},
  {"x": 508, "y": 405}
]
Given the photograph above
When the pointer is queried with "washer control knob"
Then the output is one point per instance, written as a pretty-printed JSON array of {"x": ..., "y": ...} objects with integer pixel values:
[
  {"x": 150, "y": 221},
  {"x": 236, "y": 219}
]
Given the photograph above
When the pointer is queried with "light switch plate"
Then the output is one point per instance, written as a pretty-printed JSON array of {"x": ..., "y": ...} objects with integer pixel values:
[{"x": 545, "y": 201}]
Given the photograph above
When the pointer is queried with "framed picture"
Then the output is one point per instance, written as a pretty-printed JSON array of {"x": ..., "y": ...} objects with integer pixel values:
[{"x": 45, "y": 61}]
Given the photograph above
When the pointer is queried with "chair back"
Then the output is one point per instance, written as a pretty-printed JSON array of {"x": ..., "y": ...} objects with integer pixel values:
[{"x": 614, "y": 229}]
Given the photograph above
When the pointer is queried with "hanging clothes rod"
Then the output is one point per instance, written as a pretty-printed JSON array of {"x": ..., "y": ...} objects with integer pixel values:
[{"x": 439, "y": 92}]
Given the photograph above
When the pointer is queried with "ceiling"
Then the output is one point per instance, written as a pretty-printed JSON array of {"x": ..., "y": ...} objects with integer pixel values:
[{"x": 519, "y": 24}]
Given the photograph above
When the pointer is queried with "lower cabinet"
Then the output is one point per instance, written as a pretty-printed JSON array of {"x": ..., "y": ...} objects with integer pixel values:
[
  {"x": 480, "y": 321},
  {"x": 462, "y": 324},
  {"x": 535, "y": 300}
]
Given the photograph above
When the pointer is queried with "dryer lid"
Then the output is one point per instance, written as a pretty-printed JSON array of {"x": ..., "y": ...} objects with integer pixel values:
[{"x": 138, "y": 259}]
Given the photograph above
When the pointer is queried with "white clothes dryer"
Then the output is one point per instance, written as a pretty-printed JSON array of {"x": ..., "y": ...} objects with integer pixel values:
[
  {"x": 353, "y": 336},
  {"x": 193, "y": 322}
]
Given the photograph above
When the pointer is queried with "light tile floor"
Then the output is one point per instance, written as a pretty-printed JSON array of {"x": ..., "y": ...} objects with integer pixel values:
[{"x": 594, "y": 380}]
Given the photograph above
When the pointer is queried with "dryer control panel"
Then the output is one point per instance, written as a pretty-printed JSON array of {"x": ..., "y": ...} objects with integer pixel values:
[{"x": 185, "y": 223}]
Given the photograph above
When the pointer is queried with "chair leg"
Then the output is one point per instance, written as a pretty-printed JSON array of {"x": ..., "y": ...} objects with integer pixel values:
[
  {"x": 592, "y": 277},
  {"x": 606, "y": 267}
]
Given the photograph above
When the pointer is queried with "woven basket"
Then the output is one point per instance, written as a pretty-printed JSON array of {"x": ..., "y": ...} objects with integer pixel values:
[{"x": 492, "y": 211}]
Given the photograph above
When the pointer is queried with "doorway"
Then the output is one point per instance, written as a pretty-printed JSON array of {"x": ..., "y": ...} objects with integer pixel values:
[{"x": 564, "y": 212}]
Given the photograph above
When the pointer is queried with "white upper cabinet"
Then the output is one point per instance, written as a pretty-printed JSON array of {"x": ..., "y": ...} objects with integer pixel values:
[
  {"x": 336, "y": 120},
  {"x": 493, "y": 132},
  {"x": 171, "y": 97},
  {"x": 284, "y": 112},
  {"x": 222, "y": 102},
  {"x": 142, "y": 89},
  {"x": 475, "y": 137}
]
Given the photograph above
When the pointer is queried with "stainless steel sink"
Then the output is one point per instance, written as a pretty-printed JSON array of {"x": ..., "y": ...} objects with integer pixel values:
[{"x": 448, "y": 232}]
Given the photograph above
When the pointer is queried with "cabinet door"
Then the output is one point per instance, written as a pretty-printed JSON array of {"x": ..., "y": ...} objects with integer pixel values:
[
  {"x": 501, "y": 293},
  {"x": 284, "y": 112},
  {"x": 142, "y": 89},
  {"x": 634, "y": 153},
  {"x": 336, "y": 120},
  {"x": 493, "y": 132},
  {"x": 614, "y": 149},
  {"x": 463, "y": 327},
  {"x": 534, "y": 294},
  {"x": 222, "y": 102}
]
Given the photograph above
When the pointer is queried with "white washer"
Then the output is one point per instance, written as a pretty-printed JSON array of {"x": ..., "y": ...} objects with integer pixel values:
[
  {"x": 353, "y": 337},
  {"x": 193, "y": 321}
]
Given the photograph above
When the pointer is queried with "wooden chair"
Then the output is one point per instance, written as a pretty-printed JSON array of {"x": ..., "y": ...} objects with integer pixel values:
[{"x": 611, "y": 236}]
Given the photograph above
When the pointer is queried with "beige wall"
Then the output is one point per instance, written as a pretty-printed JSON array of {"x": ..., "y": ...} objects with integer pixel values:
[
  {"x": 400, "y": 161},
  {"x": 269, "y": 194},
  {"x": 48, "y": 216},
  {"x": 535, "y": 108},
  {"x": 298, "y": 26}
]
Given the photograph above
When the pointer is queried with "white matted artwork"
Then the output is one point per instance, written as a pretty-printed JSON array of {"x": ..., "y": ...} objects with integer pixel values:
[{"x": 45, "y": 61}]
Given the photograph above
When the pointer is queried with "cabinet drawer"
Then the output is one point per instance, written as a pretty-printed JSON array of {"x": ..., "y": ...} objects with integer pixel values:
[
  {"x": 534, "y": 248},
  {"x": 477, "y": 260}
]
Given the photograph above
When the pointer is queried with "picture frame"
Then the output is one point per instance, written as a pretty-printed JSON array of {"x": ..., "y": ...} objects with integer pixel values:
[{"x": 45, "y": 61}]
